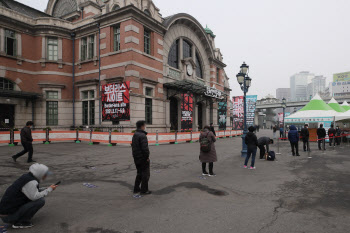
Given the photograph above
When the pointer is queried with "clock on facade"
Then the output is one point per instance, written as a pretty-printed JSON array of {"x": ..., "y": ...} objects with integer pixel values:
[{"x": 189, "y": 69}]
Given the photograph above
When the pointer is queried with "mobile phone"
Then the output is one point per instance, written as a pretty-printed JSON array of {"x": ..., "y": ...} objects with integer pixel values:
[{"x": 58, "y": 183}]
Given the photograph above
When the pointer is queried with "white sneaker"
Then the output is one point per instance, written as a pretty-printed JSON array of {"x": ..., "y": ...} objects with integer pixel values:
[{"x": 252, "y": 168}]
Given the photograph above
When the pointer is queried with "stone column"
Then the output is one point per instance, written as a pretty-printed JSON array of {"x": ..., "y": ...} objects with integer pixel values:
[{"x": 181, "y": 55}]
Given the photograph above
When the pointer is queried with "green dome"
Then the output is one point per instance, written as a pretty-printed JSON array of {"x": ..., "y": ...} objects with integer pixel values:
[
  {"x": 336, "y": 106},
  {"x": 209, "y": 31}
]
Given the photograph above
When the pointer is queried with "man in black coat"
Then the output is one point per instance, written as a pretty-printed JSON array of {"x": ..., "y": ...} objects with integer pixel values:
[
  {"x": 140, "y": 152},
  {"x": 305, "y": 135},
  {"x": 331, "y": 135},
  {"x": 262, "y": 143},
  {"x": 321, "y": 134},
  {"x": 338, "y": 135},
  {"x": 26, "y": 141}
]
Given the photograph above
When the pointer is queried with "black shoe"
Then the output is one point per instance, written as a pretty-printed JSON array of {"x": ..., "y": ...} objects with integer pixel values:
[
  {"x": 22, "y": 225},
  {"x": 31, "y": 161},
  {"x": 298, "y": 155},
  {"x": 212, "y": 174},
  {"x": 14, "y": 158},
  {"x": 146, "y": 193},
  {"x": 205, "y": 173}
]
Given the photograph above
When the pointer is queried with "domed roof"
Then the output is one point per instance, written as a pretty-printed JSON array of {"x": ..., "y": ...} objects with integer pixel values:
[{"x": 209, "y": 31}]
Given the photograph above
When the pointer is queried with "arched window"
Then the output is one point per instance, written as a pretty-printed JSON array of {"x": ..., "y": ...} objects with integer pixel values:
[
  {"x": 6, "y": 84},
  {"x": 199, "y": 71},
  {"x": 116, "y": 7},
  {"x": 187, "y": 49},
  {"x": 64, "y": 7},
  {"x": 173, "y": 58},
  {"x": 147, "y": 12}
]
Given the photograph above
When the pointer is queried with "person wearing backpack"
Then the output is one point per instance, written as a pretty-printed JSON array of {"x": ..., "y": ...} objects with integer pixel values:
[
  {"x": 252, "y": 143},
  {"x": 207, "y": 151}
]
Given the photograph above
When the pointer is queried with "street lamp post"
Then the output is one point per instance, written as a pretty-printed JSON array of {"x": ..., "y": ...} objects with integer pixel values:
[
  {"x": 284, "y": 106},
  {"x": 245, "y": 82}
]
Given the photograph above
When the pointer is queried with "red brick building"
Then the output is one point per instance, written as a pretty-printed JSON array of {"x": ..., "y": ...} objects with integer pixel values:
[{"x": 53, "y": 64}]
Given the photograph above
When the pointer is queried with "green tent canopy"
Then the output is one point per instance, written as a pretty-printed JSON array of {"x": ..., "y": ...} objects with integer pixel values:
[
  {"x": 316, "y": 104},
  {"x": 335, "y": 105},
  {"x": 345, "y": 105}
]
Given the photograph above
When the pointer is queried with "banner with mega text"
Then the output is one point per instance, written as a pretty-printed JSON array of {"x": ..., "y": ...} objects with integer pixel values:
[
  {"x": 116, "y": 102},
  {"x": 186, "y": 112},
  {"x": 222, "y": 115},
  {"x": 238, "y": 112},
  {"x": 251, "y": 105}
]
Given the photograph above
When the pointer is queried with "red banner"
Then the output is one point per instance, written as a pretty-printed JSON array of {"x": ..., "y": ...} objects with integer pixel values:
[
  {"x": 187, "y": 112},
  {"x": 238, "y": 112},
  {"x": 116, "y": 102}
]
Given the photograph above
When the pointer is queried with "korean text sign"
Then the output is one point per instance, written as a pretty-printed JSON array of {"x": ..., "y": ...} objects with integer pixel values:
[{"x": 116, "y": 101}]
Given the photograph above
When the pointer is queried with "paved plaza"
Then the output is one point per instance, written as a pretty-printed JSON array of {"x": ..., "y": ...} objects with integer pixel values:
[{"x": 292, "y": 194}]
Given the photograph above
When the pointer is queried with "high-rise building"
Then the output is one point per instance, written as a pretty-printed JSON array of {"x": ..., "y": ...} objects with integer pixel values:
[
  {"x": 316, "y": 86},
  {"x": 283, "y": 93},
  {"x": 298, "y": 85}
]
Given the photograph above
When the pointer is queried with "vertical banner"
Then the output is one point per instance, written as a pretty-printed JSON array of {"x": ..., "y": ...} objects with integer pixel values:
[
  {"x": 251, "y": 105},
  {"x": 222, "y": 115},
  {"x": 238, "y": 112},
  {"x": 280, "y": 117},
  {"x": 186, "y": 112},
  {"x": 116, "y": 102}
]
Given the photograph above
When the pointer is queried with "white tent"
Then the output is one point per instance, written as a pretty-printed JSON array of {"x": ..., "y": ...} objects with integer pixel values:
[
  {"x": 316, "y": 111},
  {"x": 345, "y": 116}
]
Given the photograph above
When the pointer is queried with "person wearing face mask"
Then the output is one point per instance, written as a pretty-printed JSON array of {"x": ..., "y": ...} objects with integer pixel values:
[
  {"x": 304, "y": 133},
  {"x": 23, "y": 199},
  {"x": 26, "y": 141}
]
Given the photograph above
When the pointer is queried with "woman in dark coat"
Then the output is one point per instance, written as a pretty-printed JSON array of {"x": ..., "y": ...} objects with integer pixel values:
[{"x": 208, "y": 157}]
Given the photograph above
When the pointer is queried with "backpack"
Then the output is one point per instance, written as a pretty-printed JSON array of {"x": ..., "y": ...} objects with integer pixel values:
[
  {"x": 270, "y": 156},
  {"x": 205, "y": 144}
]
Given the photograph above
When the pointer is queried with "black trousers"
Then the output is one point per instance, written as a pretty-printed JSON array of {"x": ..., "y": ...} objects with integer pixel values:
[
  {"x": 25, "y": 213},
  {"x": 27, "y": 147},
  {"x": 142, "y": 177},
  {"x": 320, "y": 142},
  {"x": 262, "y": 151},
  {"x": 338, "y": 140},
  {"x": 295, "y": 145},
  {"x": 204, "y": 168},
  {"x": 331, "y": 139},
  {"x": 306, "y": 145}
]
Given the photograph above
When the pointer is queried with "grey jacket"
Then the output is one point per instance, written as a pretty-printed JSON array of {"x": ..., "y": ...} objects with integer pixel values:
[{"x": 264, "y": 141}]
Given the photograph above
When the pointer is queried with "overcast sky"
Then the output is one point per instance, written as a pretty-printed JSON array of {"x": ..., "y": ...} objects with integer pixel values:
[{"x": 276, "y": 38}]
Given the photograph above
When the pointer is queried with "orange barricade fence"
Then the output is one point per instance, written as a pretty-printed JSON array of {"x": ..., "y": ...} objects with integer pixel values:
[{"x": 45, "y": 136}]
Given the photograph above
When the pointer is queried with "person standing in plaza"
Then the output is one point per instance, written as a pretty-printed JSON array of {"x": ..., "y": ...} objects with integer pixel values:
[
  {"x": 262, "y": 143},
  {"x": 321, "y": 134},
  {"x": 207, "y": 153},
  {"x": 338, "y": 135},
  {"x": 26, "y": 141},
  {"x": 305, "y": 134},
  {"x": 140, "y": 152},
  {"x": 281, "y": 132},
  {"x": 212, "y": 128},
  {"x": 331, "y": 135},
  {"x": 293, "y": 137},
  {"x": 252, "y": 142},
  {"x": 274, "y": 129}
]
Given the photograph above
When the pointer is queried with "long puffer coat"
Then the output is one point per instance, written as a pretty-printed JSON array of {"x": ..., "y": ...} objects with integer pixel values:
[{"x": 208, "y": 157}]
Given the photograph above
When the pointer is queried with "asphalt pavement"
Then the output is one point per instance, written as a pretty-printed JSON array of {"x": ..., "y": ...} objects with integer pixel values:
[{"x": 289, "y": 195}]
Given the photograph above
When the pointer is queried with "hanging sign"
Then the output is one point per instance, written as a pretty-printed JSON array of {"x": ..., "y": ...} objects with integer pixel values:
[
  {"x": 213, "y": 92},
  {"x": 238, "y": 113},
  {"x": 187, "y": 112},
  {"x": 251, "y": 105},
  {"x": 116, "y": 102}
]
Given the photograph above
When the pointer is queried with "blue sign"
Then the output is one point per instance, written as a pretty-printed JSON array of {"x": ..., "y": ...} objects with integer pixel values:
[{"x": 251, "y": 106}]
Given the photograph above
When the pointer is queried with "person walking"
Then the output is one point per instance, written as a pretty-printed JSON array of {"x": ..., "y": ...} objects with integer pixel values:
[
  {"x": 26, "y": 141},
  {"x": 212, "y": 128},
  {"x": 207, "y": 153},
  {"x": 23, "y": 199},
  {"x": 321, "y": 134},
  {"x": 338, "y": 135},
  {"x": 293, "y": 137},
  {"x": 262, "y": 143},
  {"x": 252, "y": 142},
  {"x": 331, "y": 135},
  {"x": 305, "y": 134},
  {"x": 140, "y": 152}
]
